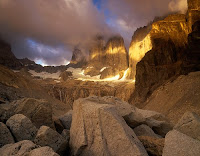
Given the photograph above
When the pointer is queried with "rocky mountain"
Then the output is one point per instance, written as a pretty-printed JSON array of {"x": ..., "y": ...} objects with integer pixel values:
[
  {"x": 78, "y": 59},
  {"x": 7, "y": 58},
  {"x": 140, "y": 44},
  {"x": 107, "y": 60},
  {"x": 173, "y": 50}
]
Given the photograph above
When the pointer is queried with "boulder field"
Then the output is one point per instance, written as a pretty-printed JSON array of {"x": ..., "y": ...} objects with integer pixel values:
[{"x": 102, "y": 126}]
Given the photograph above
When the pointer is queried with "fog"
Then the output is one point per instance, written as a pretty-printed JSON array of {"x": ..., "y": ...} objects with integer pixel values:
[{"x": 48, "y": 30}]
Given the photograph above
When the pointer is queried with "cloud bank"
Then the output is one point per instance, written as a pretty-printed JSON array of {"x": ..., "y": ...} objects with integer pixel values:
[
  {"x": 131, "y": 14},
  {"x": 48, "y": 30},
  {"x": 52, "y": 23}
]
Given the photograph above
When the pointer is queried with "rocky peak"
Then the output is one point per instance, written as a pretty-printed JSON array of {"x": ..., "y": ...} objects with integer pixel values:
[
  {"x": 116, "y": 54},
  {"x": 7, "y": 58},
  {"x": 27, "y": 62},
  {"x": 107, "y": 60},
  {"x": 145, "y": 38},
  {"x": 97, "y": 50},
  {"x": 140, "y": 44},
  {"x": 78, "y": 58},
  {"x": 114, "y": 42},
  {"x": 174, "y": 50},
  {"x": 141, "y": 33}
]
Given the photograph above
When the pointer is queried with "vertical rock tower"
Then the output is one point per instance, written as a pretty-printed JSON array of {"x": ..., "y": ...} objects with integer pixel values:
[
  {"x": 175, "y": 51},
  {"x": 107, "y": 60}
]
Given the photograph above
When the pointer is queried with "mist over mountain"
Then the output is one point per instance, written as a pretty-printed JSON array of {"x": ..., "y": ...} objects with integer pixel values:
[{"x": 48, "y": 31}]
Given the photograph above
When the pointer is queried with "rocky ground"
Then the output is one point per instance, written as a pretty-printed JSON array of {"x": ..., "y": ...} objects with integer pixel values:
[
  {"x": 96, "y": 126},
  {"x": 176, "y": 97}
]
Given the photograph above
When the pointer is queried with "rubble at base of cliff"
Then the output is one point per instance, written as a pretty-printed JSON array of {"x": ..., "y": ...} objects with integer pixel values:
[{"x": 136, "y": 131}]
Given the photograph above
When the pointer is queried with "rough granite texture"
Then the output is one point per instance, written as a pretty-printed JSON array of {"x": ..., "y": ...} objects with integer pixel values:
[{"x": 97, "y": 129}]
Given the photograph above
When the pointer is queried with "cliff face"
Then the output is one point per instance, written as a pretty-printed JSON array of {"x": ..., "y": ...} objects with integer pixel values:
[
  {"x": 116, "y": 55},
  {"x": 7, "y": 58},
  {"x": 144, "y": 38},
  {"x": 96, "y": 57},
  {"x": 140, "y": 44},
  {"x": 108, "y": 59},
  {"x": 170, "y": 56}
]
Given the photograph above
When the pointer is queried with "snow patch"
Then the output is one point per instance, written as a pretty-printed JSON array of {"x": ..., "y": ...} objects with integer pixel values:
[
  {"x": 78, "y": 73},
  {"x": 45, "y": 75}
]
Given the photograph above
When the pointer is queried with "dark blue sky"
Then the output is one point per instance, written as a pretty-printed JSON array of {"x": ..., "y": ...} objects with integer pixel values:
[{"x": 97, "y": 3}]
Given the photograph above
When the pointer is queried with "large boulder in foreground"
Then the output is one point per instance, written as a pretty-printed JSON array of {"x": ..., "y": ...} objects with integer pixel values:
[
  {"x": 154, "y": 120},
  {"x": 5, "y": 135},
  {"x": 21, "y": 148},
  {"x": 38, "y": 111},
  {"x": 43, "y": 151},
  {"x": 21, "y": 127},
  {"x": 135, "y": 117},
  {"x": 48, "y": 137},
  {"x": 98, "y": 129},
  {"x": 177, "y": 144},
  {"x": 189, "y": 124}
]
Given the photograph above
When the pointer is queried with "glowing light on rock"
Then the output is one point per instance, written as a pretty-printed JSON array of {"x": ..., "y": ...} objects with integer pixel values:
[
  {"x": 112, "y": 78},
  {"x": 125, "y": 75},
  {"x": 115, "y": 50},
  {"x": 94, "y": 55},
  {"x": 139, "y": 49},
  {"x": 78, "y": 74},
  {"x": 82, "y": 73}
]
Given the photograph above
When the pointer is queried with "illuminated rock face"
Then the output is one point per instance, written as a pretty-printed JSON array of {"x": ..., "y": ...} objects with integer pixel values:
[
  {"x": 171, "y": 53},
  {"x": 107, "y": 60},
  {"x": 97, "y": 50},
  {"x": 116, "y": 55},
  {"x": 143, "y": 39},
  {"x": 96, "y": 57},
  {"x": 164, "y": 60},
  {"x": 141, "y": 44}
]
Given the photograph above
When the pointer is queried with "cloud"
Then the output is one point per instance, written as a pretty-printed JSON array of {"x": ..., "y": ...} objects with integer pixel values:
[
  {"x": 52, "y": 23},
  {"x": 178, "y": 6},
  {"x": 48, "y": 30},
  {"x": 131, "y": 14}
]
